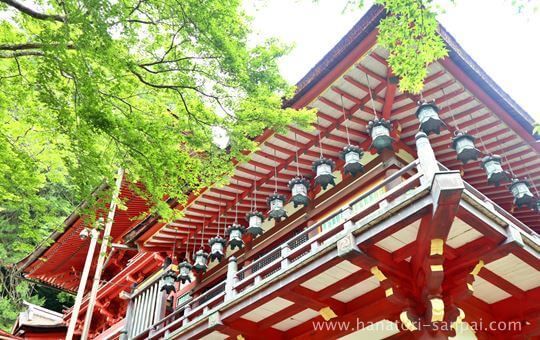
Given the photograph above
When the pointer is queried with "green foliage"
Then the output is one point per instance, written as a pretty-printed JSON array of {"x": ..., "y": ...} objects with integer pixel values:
[
  {"x": 140, "y": 84},
  {"x": 66, "y": 298},
  {"x": 410, "y": 34},
  {"x": 523, "y": 6},
  {"x": 12, "y": 293},
  {"x": 537, "y": 128},
  {"x": 91, "y": 85}
]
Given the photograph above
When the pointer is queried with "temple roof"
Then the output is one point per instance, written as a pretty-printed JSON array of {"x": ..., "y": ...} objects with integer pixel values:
[
  {"x": 60, "y": 263},
  {"x": 468, "y": 99}
]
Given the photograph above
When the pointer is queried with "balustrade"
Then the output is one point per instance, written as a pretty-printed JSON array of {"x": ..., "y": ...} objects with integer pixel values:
[
  {"x": 273, "y": 263},
  {"x": 416, "y": 178}
]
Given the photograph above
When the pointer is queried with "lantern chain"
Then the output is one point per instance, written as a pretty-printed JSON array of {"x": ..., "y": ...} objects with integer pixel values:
[
  {"x": 236, "y": 212},
  {"x": 187, "y": 246},
  {"x": 506, "y": 160},
  {"x": 174, "y": 244},
  {"x": 255, "y": 189},
  {"x": 486, "y": 151},
  {"x": 192, "y": 246},
  {"x": 456, "y": 126},
  {"x": 251, "y": 196},
  {"x": 449, "y": 105},
  {"x": 203, "y": 225},
  {"x": 371, "y": 97},
  {"x": 219, "y": 216},
  {"x": 534, "y": 186},
  {"x": 275, "y": 172},
  {"x": 320, "y": 138},
  {"x": 296, "y": 154},
  {"x": 345, "y": 121}
]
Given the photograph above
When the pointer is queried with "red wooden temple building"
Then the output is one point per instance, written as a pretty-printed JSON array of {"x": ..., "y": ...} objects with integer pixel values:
[{"x": 415, "y": 244}]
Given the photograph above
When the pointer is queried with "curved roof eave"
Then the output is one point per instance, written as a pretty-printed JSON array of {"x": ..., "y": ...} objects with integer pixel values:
[{"x": 368, "y": 23}]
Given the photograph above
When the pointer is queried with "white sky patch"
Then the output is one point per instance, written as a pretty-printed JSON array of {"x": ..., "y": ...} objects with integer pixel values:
[
  {"x": 505, "y": 44},
  {"x": 221, "y": 139}
]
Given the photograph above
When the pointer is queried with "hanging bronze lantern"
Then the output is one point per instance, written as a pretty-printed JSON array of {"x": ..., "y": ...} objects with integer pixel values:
[
  {"x": 323, "y": 168},
  {"x": 352, "y": 155},
  {"x": 235, "y": 232},
  {"x": 167, "y": 282},
  {"x": 522, "y": 193},
  {"x": 299, "y": 188},
  {"x": 463, "y": 143},
  {"x": 494, "y": 171},
  {"x": 255, "y": 220},
  {"x": 276, "y": 204},
  {"x": 428, "y": 115},
  {"x": 201, "y": 261},
  {"x": 184, "y": 272},
  {"x": 379, "y": 130},
  {"x": 217, "y": 248}
]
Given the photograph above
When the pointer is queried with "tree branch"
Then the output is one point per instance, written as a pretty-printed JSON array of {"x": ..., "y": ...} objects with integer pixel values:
[
  {"x": 29, "y": 46},
  {"x": 22, "y": 54},
  {"x": 34, "y": 14}
]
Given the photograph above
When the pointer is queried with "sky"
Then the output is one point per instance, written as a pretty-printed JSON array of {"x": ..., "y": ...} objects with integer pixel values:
[{"x": 506, "y": 44}]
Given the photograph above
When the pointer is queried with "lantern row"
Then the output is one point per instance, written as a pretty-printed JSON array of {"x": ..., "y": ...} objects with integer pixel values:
[
  {"x": 379, "y": 129},
  {"x": 464, "y": 145}
]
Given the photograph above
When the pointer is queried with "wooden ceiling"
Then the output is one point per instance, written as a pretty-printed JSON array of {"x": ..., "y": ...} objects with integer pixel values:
[{"x": 463, "y": 106}]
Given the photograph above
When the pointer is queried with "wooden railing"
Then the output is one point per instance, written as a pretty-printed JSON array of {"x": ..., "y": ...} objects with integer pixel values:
[
  {"x": 415, "y": 179},
  {"x": 146, "y": 306},
  {"x": 280, "y": 259},
  {"x": 484, "y": 199}
]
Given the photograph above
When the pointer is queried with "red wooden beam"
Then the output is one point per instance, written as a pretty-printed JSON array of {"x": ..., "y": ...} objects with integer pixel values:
[
  {"x": 337, "y": 287},
  {"x": 344, "y": 64},
  {"x": 502, "y": 283},
  {"x": 475, "y": 89},
  {"x": 371, "y": 73},
  {"x": 409, "y": 131},
  {"x": 379, "y": 58},
  {"x": 249, "y": 330},
  {"x": 429, "y": 92},
  {"x": 346, "y": 95},
  {"x": 389, "y": 99},
  {"x": 305, "y": 298},
  {"x": 366, "y": 312},
  {"x": 443, "y": 151},
  {"x": 353, "y": 133},
  {"x": 280, "y": 316},
  {"x": 336, "y": 122},
  {"x": 413, "y": 105},
  {"x": 364, "y": 88}
]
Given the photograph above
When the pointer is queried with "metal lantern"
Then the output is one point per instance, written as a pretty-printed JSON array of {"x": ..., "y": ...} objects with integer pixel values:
[
  {"x": 463, "y": 143},
  {"x": 493, "y": 166},
  {"x": 428, "y": 115},
  {"x": 352, "y": 155},
  {"x": 217, "y": 248},
  {"x": 522, "y": 193},
  {"x": 255, "y": 220},
  {"x": 184, "y": 272},
  {"x": 167, "y": 282},
  {"x": 276, "y": 204},
  {"x": 324, "y": 167},
  {"x": 379, "y": 130},
  {"x": 201, "y": 261},
  {"x": 299, "y": 188},
  {"x": 235, "y": 233}
]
